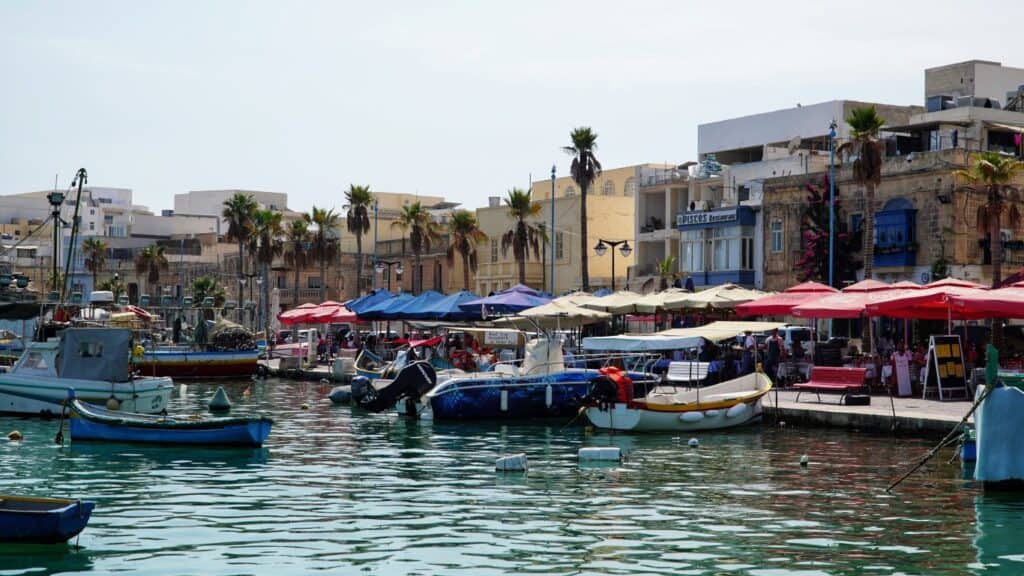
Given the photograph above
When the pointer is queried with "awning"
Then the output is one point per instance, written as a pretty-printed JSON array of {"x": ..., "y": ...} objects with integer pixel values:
[
  {"x": 676, "y": 338},
  {"x": 1007, "y": 127}
]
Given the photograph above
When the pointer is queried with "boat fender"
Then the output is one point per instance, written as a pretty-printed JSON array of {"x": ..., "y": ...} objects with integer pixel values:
[
  {"x": 513, "y": 463},
  {"x": 693, "y": 443},
  {"x": 262, "y": 370},
  {"x": 804, "y": 460},
  {"x": 694, "y": 416},
  {"x": 712, "y": 413},
  {"x": 340, "y": 394},
  {"x": 220, "y": 402},
  {"x": 14, "y": 436},
  {"x": 737, "y": 411},
  {"x": 113, "y": 403},
  {"x": 138, "y": 351}
]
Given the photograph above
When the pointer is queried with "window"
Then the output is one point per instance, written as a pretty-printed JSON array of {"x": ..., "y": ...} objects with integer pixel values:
[
  {"x": 559, "y": 245},
  {"x": 92, "y": 225},
  {"x": 313, "y": 282},
  {"x": 108, "y": 219},
  {"x": 776, "y": 230},
  {"x": 90, "y": 349},
  {"x": 630, "y": 187},
  {"x": 494, "y": 250},
  {"x": 282, "y": 282},
  {"x": 732, "y": 248},
  {"x": 692, "y": 250},
  {"x": 570, "y": 191},
  {"x": 608, "y": 189}
]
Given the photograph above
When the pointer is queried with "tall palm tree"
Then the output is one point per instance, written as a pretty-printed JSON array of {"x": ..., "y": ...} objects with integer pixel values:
[
  {"x": 296, "y": 250},
  {"x": 357, "y": 221},
  {"x": 207, "y": 286},
  {"x": 150, "y": 262},
  {"x": 416, "y": 221},
  {"x": 992, "y": 174},
  {"x": 95, "y": 251},
  {"x": 114, "y": 285},
  {"x": 584, "y": 170},
  {"x": 265, "y": 245},
  {"x": 325, "y": 242},
  {"x": 464, "y": 235},
  {"x": 238, "y": 211},
  {"x": 864, "y": 125},
  {"x": 523, "y": 235},
  {"x": 666, "y": 270}
]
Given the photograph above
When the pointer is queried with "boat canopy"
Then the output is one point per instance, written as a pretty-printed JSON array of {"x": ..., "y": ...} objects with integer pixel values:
[
  {"x": 95, "y": 354},
  {"x": 676, "y": 338}
]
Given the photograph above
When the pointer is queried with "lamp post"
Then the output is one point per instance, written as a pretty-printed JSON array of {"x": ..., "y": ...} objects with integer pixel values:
[
  {"x": 56, "y": 199},
  {"x": 624, "y": 249},
  {"x": 831, "y": 206},
  {"x": 552, "y": 231},
  {"x": 383, "y": 265},
  {"x": 376, "y": 210},
  {"x": 248, "y": 278}
]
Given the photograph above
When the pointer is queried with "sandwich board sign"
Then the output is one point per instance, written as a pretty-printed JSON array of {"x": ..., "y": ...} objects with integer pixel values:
[{"x": 944, "y": 369}]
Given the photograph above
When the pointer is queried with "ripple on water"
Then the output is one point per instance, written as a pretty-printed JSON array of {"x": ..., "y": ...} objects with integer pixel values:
[{"x": 339, "y": 490}]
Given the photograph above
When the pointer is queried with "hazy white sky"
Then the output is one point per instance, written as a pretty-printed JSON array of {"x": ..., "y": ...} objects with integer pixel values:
[{"x": 458, "y": 99}]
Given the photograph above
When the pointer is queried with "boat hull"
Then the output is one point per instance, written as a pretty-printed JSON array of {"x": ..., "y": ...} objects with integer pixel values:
[
  {"x": 641, "y": 419},
  {"x": 999, "y": 428},
  {"x": 23, "y": 394},
  {"x": 42, "y": 520},
  {"x": 188, "y": 364},
  {"x": 494, "y": 397},
  {"x": 113, "y": 427}
]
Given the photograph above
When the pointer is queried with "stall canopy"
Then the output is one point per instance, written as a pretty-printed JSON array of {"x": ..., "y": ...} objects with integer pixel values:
[
  {"x": 719, "y": 297},
  {"x": 510, "y": 301},
  {"x": 850, "y": 302},
  {"x": 1007, "y": 302},
  {"x": 782, "y": 304},
  {"x": 931, "y": 302},
  {"x": 622, "y": 302},
  {"x": 676, "y": 338},
  {"x": 447, "y": 308},
  {"x": 411, "y": 309},
  {"x": 554, "y": 315},
  {"x": 360, "y": 304},
  {"x": 376, "y": 311},
  {"x": 577, "y": 298}
]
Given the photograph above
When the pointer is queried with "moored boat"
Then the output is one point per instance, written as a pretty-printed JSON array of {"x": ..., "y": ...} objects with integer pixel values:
[
  {"x": 728, "y": 404},
  {"x": 25, "y": 519},
  {"x": 90, "y": 422},
  {"x": 185, "y": 363},
  {"x": 93, "y": 361}
]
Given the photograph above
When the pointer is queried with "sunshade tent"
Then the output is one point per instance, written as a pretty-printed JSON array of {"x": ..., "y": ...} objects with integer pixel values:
[
  {"x": 676, "y": 338},
  {"x": 556, "y": 314},
  {"x": 412, "y": 308},
  {"x": 782, "y": 304},
  {"x": 931, "y": 302},
  {"x": 577, "y": 298},
  {"x": 447, "y": 308},
  {"x": 718, "y": 297},
  {"x": 850, "y": 302},
  {"x": 376, "y": 311},
  {"x": 622, "y": 302},
  {"x": 507, "y": 301},
  {"x": 1006, "y": 302},
  {"x": 364, "y": 302}
]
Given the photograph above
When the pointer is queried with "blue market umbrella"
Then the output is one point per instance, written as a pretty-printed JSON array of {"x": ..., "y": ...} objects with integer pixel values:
[
  {"x": 505, "y": 302},
  {"x": 448, "y": 308},
  {"x": 410, "y": 309},
  {"x": 377, "y": 311},
  {"x": 358, "y": 305}
]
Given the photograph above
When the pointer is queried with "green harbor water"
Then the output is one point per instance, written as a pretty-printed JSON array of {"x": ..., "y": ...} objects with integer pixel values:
[{"x": 338, "y": 491}]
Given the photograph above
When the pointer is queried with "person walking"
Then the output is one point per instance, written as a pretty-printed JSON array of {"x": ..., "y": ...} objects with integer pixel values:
[
  {"x": 749, "y": 350},
  {"x": 901, "y": 360},
  {"x": 775, "y": 349}
]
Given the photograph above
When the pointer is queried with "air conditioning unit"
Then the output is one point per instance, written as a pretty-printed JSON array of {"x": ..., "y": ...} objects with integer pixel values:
[{"x": 494, "y": 201}]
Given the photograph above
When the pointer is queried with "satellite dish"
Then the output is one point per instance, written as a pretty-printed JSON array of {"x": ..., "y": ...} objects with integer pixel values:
[{"x": 793, "y": 145}]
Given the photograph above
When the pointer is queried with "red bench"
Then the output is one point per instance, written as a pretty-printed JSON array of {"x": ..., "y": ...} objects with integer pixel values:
[{"x": 829, "y": 378}]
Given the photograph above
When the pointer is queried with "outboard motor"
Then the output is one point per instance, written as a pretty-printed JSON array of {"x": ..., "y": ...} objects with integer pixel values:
[{"x": 413, "y": 381}]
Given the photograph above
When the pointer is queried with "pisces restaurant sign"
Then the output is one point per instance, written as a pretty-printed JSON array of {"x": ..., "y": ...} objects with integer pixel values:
[{"x": 706, "y": 217}]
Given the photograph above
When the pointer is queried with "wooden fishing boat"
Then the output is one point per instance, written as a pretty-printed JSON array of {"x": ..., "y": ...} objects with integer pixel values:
[
  {"x": 732, "y": 403},
  {"x": 90, "y": 422},
  {"x": 183, "y": 362},
  {"x": 26, "y": 519}
]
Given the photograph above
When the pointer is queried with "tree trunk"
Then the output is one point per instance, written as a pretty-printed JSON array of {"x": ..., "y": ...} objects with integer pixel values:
[
  {"x": 417, "y": 274},
  {"x": 241, "y": 272},
  {"x": 359, "y": 264},
  {"x": 465, "y": 271},
  {"x": 521, "y": 263},
  {"x": 295, "y": 286},
  {"x": 584, "y": 261},
  {"x": 995, "y": 242},
  {"x": 323, "y": 278},
  {"x": 869, "y": 255}
]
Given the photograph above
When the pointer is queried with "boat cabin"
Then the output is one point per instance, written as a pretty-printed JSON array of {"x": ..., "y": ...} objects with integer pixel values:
[{"x": 80, "y": 353}]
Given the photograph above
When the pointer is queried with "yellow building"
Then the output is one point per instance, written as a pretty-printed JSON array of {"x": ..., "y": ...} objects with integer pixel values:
[{"x": 610, "y": 211}]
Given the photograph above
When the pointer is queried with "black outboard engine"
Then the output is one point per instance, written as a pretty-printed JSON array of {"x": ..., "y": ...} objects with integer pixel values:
[
  {"x": 413, "y": 381},
  {"x": 603, "y": 392}
]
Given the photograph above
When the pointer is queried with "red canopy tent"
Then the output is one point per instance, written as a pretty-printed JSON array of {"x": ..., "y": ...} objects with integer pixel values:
[
  {"x": 782, "y": 304},
  {"x": 931, "y": 302},
  {"x": 850, "y": 302},
  {"x": 1007, "y": 302},
  {"x": 297, "y": 315}
]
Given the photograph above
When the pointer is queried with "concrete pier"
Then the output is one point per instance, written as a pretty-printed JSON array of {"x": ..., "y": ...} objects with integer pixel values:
[{"x": 913, "y": 415}]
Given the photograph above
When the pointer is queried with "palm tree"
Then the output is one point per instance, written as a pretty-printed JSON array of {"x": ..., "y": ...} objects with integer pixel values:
[
  {"x": 422, "y": 230},
  {"x": 325, "y": 242},
  {"x": 265, "y": 245},
  {"x": 464, "y": 234},
  {"x": 584, "y": 170},
  {"x": 150, "y": 261},
  {"x": 864, "y": 125},
  {"x": 296, "y": 250},
  {"x": 207, "y": 287},
  {"x": 523, "y": 235},
  {"x": 95, "y": 251},
  {"x": 666, "y": 270},
  {"x": 114, "y": 285},
  {"x": 238, "y": 211},
  {"x": 357, "y": 220},
  {"x": 992, "y": 174}
]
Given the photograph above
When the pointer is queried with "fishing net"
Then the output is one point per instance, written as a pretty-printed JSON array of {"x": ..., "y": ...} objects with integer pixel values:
[{"x": 227, "y": 336}]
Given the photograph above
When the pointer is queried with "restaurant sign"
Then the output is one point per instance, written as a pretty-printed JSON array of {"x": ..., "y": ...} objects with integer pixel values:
[{"x": 706, "y": 217}]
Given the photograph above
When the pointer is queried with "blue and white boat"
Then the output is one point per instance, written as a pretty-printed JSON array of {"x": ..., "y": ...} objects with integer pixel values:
[
  {"x": 28, "y": 520},
  {"x": 89, "y": 422}
]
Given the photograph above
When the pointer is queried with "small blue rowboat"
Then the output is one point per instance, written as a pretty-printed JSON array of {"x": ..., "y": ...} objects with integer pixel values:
[
  {"x": 42, "y": 520},
  {"x": 90, "y": 422}
]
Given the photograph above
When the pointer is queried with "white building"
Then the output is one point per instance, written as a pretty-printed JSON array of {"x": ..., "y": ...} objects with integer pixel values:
[{"x": 211, "y": 202}]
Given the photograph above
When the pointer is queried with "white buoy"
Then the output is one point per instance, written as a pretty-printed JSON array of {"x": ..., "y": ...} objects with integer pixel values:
[
  {"x": 513, "y": 463},
  {"x": 220, "y": 402},
  {"x": 325, "y": 381},
  {"x": 606, "y": 454},
  {"x": 693, "y": 443},
  {"x": 305, "y": 406},
  {"x": 14, "y": 435},
  {"x": 804, "y": 460},
  {"x": 691, "y": 417}
]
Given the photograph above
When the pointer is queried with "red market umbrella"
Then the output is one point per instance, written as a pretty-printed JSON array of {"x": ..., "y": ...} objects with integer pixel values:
[
  {"x": 1005, "y": 302},
  {"x": 338, "y": 315},
  {"x": 848, "y": 303},
  {"x": 930, "y": 302},
  {"x": 782, "y": 304},
  {"x": 297, "y": 315}
]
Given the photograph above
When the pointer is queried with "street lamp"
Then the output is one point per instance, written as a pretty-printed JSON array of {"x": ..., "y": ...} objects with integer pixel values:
[
  {"x": 56, "y": 199},
  {"x": 624, "y": 249},
  {"x": 250, "y": 304},
  {"x": 383, "y": 265}
]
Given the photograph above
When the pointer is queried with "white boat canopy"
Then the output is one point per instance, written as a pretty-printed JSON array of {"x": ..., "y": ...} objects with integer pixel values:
[{"x": 676, "y": 338}]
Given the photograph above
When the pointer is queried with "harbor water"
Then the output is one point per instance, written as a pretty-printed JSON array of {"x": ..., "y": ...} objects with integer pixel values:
[{"x": 339, "y": 491}]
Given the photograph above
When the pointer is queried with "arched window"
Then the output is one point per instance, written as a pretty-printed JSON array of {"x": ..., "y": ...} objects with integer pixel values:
[
  {"x": 608, "y": 189},
  {"x": 570, "y": 190},
  {"x": 630, "y": 186}
]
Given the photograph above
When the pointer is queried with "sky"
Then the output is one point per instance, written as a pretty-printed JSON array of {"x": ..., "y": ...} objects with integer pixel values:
[{"x": 461, "y": 99}]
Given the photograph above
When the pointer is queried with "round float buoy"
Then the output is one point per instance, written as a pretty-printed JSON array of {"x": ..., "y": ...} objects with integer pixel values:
[
  {"x": 14, "y": 435},
  {"x": 113, "y": 403},
  {"x": 804, "y": 460},
  {"x": 305, "y": 406},
  {"x": 693, "y": 443},
  {"x": 220, "y": 402},
  {"x": 138, "y": 351},
  {"x": 340, "y": 395}
]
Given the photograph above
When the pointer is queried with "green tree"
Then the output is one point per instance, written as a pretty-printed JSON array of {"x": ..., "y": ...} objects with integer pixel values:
[
  {"x": 666, "y": 270},
  {"x": 584, "y": 170},
  {"x": 864, "y": 125},
  {"x": 95, "y": 251},
  {"x": 357, "y": 221},
  {"x": 296, "y": 250},
  {"x": 991, "y": 176},
  {"x": 325, "y": 242},
  {"x": 208, "y": 287},
  {"x": 417, "y": 222},
  {"x": 238, "y": 211},
  {"x": 114, "y": 285},
  {"x": 523, "y": 235},
  {"x": 265, "y": 245},
  {"x": 464, "y": 235},
  {"x": 150, "y": 262}
]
